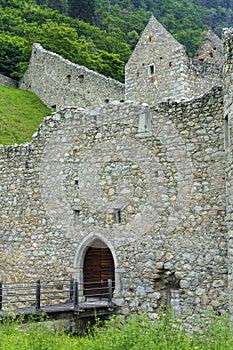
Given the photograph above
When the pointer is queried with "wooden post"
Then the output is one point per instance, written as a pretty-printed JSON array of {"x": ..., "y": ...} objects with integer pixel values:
[
  {"x": 76, "y": 306},
  {"x": 110, "y": 294},
  {"x": 0, "y": 295},
  {"x": 38, "y": 295}
]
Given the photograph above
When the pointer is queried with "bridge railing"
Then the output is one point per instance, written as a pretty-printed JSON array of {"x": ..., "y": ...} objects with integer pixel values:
[{"x": 42, "y": 293}]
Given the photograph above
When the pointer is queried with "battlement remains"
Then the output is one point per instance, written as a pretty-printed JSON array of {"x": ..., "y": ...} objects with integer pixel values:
[{"x": 63, "y": 83}]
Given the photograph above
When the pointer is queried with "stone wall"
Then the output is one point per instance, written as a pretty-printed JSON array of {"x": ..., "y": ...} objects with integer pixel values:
[
  {"x": 7, "y": 81},
  {"x": 162, "y": 169},
  {"x": 203, "y": 76},
  {"x": 228, "y": 122},
  {"x": 60, "y": 83}
]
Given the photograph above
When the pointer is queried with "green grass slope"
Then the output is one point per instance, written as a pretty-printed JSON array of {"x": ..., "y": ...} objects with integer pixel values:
[{"x": 21, "y": 112}]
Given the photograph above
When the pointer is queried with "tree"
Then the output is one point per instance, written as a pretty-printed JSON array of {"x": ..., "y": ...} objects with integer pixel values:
[
  {"x": 59, "y": 5},
  {"x": 11, "y": 54},
  {"x": 82, "y": 9}
]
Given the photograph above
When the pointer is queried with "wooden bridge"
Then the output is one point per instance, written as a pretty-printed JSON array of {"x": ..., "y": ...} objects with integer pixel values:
[{"x": 64, "y": 299}]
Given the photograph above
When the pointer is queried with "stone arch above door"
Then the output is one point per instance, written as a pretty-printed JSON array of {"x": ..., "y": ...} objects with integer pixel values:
[
  {"x": 98, "y": 268},
  {"x": 94, "y": 241}
]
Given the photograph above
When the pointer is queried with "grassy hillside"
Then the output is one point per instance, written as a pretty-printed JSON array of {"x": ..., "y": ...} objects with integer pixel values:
[{"x": 21, "y": 112}]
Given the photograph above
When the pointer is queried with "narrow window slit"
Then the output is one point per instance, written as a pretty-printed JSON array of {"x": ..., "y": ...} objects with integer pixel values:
[
  {"x": 118, "y": 216},
  {"x": 151, "y": 69},
  {"x": 77, "y": 215},
  {"x": 227, "y": 132}
]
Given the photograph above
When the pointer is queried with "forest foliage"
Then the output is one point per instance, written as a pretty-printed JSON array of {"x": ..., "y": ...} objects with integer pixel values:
[{"x": 100, "y": 34}]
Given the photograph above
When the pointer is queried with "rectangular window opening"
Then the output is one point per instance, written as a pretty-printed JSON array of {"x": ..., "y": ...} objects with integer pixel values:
[
  {"x": 118, "y": 216},
  {"x": 151, "y": 69},
  {"x": 77, "y": 215}
]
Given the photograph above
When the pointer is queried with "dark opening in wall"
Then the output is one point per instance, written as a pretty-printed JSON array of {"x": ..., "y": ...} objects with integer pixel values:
[
  {"x": 81, "y": 78},
  {"x": 118, "y": 216},
  {"x": 211, "y": 54},
  {"x": 150, "y": 38},
  {"x": 76, "y": 182},
  {"x": 151, "y": 69},
  {"x": 53, "y": 107},
  {"x": 68, "y": 78},
  {"x": 227, "y": 133},
  {"x": 106, "y": 100},
  {"x": 77, "y": 216}
]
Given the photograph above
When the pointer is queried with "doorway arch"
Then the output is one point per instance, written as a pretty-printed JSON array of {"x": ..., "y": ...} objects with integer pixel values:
[
  {"x": 98, "y": 268},
  {"x": 78, "y": 272}
]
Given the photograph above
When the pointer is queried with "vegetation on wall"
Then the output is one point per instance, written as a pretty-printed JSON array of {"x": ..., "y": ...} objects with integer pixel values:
[{"x": 99, "y": 34}]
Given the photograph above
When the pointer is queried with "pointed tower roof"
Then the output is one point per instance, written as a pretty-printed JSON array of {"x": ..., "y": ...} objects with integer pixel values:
[
  {"x": 156, "y": 69},
  {"x": 155, "y": 33},
  {"x": 211, "y": 49}
]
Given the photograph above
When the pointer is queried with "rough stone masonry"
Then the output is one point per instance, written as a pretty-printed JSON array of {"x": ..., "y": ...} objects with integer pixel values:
[{"x": 146, "y": 179}]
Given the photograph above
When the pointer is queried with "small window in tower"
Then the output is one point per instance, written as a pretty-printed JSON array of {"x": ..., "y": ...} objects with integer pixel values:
[
  {"x": 68, "y": 78},
  {"x": 227, "y": 133},
  {"x": 151, "y": 69},
  {"x": 150, "y": 38},
  {"x": 211, "y": 54}
]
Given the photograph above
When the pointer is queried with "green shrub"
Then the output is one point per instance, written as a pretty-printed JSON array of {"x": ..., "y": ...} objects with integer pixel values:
[{"x": 210, "y": 332}]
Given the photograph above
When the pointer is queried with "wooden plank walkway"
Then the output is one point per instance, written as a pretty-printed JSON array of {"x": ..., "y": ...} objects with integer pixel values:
[
  {"x": 94, "y": 305},
  {"x": 65, "y": 311}
]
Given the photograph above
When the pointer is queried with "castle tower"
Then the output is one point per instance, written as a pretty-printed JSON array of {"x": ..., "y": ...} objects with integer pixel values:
[
  {"x": 228, "y": 120},
  {"x": 156, "y": 69},
  {"x": 211, "y": 49},
  {"x": 159, "y": 69}
]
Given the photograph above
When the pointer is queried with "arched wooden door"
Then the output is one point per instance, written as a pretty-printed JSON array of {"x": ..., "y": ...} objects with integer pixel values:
[{"x": 98, "y": 268}]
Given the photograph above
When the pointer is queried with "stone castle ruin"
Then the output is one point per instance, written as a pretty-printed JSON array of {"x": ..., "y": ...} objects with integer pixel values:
[{"x": 133, "y": 179}]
